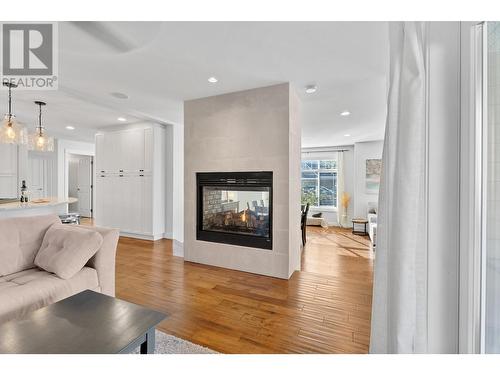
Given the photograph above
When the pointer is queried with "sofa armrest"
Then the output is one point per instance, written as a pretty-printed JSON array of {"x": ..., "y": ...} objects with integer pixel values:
[{"x": 104, "y": 260}]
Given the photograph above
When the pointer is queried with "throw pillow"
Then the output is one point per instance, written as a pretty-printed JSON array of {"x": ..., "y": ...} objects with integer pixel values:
[
  {"x": 319, "y": 214},
  {"x": 66, "y": 249},
  {"x": 20, "y": 240}
]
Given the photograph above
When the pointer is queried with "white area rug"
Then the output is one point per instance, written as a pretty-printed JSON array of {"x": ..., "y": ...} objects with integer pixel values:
[{"x": 168, "y": 344}]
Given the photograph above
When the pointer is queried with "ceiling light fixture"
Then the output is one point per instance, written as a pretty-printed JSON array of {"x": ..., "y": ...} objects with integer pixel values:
[
  {"x": 345, "y": 113},
  {"x": 119, "y": 95},
  {"x": 11, "y": 131},
  {"x": 347, "y": 135},
  {"x": 311, "y": 89},
  {"x": 39, "y": 141},
  {"x": 213, "y": 80},
  {"x": 69, "y": 127},
  {"x": 121, "y": 119}
]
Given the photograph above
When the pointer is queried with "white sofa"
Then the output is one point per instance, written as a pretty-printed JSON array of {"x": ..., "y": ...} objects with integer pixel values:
[
  {"x": 317, "y": 221},
  {"x": 25, "y": 287}
]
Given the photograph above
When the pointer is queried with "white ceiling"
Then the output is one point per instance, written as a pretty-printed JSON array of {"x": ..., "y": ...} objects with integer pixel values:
[{"x": 159, "y": 65}]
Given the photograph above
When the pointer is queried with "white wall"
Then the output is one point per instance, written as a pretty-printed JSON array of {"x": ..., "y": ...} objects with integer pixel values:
[
  {"x": 178, "y": 190},
  {"x": 349, "y": 181},
  {"x": 294, "y": 156},
  {"x": 253, "y": 130},
  {"x": 174, "y": 187},
  {"x": 169, "y": 178},
  {"x": 362, "y": 152}
]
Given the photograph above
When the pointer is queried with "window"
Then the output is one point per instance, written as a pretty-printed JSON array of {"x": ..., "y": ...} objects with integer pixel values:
[{"x": 319, "y": 183}]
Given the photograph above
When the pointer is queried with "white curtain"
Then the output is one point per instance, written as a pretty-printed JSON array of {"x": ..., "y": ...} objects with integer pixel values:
[
  {"x": 399, "y": 313},
  {"x": 341, "y": 219}
]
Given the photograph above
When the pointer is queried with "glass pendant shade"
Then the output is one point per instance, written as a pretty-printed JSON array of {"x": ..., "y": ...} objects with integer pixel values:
[
  {"x": 38, "y": 141},
  {"x": 12, "y": 132}
]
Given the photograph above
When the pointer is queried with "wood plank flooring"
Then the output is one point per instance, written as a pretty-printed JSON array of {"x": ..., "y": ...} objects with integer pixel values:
[{"x": 325, "y": 308}]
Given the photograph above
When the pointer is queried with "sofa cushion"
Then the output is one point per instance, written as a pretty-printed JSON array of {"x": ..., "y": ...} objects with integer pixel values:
[
  {"x": 29, "y": 290},
  {"x": 66, "y": 249},
  {"x": 21, "y": 239}
]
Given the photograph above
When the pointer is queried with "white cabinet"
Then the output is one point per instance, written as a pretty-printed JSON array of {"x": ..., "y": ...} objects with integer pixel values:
[
  {"x": 134, "y": 150},
  {"x": 99, "y": 145},
  {"x": 125, "y": 151},
  {"x": 8, "y": 171},
  {"x": 130, "y": 181},
  {"x": 148, "y": 144}
]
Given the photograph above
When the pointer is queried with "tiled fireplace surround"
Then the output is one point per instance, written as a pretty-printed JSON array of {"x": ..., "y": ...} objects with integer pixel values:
[{"x": 252, "y": 130}]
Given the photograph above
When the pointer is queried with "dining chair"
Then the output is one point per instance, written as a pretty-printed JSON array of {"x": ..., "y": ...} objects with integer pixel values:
[{"x": 303, "y": 223}]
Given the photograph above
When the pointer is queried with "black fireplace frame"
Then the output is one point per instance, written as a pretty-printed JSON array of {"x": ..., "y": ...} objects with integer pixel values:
[{"x": 234, "y": 181}]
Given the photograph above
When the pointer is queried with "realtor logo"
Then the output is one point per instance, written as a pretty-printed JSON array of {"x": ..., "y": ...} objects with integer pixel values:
[{"x": 29, "y": 55}]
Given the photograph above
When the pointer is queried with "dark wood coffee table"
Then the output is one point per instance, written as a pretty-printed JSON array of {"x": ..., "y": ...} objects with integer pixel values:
[{"x": 86, "y": 323}]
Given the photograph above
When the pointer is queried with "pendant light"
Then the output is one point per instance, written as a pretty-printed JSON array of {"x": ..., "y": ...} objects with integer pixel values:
[
  {"x": 39, "y": 141},
  {"x": 11, "y": 131}
]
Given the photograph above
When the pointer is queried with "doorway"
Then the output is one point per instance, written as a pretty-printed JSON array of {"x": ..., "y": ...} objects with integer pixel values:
[{"x": 80, "y": 184}]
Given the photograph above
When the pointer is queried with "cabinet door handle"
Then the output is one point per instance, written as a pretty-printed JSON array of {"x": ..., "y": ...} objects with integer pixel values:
[
  {"x": 141, "y": 175},
  {"x": 103, "y": 171},
  {"x": 121, "y": 170},
  {"x": 121, "y": 175},
  {"x": 141, "y": 170}
]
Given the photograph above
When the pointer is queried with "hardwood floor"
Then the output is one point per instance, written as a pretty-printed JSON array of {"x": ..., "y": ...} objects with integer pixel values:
[{"x": 325, "y": 308}]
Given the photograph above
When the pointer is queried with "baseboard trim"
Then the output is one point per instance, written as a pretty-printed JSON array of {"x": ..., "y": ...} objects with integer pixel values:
[{"x": 141, "y": 236}]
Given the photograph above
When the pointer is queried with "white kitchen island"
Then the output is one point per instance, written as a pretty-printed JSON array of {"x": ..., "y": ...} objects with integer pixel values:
[{"x": 56, "y": 206}]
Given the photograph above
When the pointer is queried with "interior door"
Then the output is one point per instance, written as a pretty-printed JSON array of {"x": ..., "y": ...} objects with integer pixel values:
[
  {"x": 37, "y": 177},
  {"x": 84, "y": 186}
]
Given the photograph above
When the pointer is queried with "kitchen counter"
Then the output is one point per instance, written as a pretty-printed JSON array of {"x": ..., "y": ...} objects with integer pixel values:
[{"x": 54, "y": 205}]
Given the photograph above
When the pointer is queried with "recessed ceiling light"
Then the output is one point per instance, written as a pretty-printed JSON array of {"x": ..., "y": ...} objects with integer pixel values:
[
  {"x": 69, "y": 127},
  {"x": 119, "y": 95},
  {"x": 345, "y": 113},
  {"x": 311, "y": 89},
  {"x": 347, "y": 135},
  {"x": 122, "y": 119},
  {"x": 212, "y": 80}
]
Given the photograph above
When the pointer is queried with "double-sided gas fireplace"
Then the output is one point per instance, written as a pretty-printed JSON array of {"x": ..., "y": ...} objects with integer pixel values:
[{"x": 235, "y": 208}]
